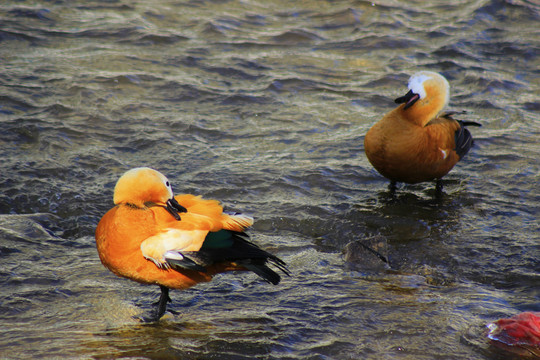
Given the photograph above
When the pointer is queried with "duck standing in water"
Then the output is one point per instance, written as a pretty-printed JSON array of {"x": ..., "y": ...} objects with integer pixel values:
[
  {"x": 153, "y": 237},
  {"x": 415, "y": 142}
]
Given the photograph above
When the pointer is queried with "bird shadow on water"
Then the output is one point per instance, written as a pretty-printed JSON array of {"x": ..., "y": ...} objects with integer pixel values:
[
  {"x": 173, "y": 337},
  {"x": 430, "y": 193},
  {"x": 151, "y": 340},
  {"x": 410, "y": 225},
  {"x": 443, "y": 196}
]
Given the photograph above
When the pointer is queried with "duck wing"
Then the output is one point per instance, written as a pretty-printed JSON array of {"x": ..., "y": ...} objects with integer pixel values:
[{"x": 229, "y": 246}]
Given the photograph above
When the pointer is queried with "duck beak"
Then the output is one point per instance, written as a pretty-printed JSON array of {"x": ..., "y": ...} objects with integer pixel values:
[
  {"x": 409, "y": 99},
  {"x": 173, "y": 207}
]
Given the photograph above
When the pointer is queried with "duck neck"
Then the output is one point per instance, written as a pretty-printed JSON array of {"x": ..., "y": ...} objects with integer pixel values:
[{"x": 422, "y": 112}]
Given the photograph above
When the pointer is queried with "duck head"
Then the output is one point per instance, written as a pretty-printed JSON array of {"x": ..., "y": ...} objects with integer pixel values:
[
  {"x": 141, "y": 187},
  {"x": 429, "y": 93}
]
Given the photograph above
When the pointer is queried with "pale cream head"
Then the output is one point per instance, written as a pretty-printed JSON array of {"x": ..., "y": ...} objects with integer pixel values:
[
  {"x": 142, "y": 185},
  {"x": 430, "y": 84},
  {"x": 428, "y": 95}
]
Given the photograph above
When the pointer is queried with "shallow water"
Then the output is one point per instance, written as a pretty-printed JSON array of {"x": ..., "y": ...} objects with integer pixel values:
[{"x": 264, "y": 105}]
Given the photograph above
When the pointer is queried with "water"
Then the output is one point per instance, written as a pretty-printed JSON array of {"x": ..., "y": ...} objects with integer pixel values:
[{"x": 264, "y": 105}]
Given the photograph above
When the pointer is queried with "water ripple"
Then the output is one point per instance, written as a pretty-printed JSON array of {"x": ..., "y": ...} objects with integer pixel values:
[{"x": 264, "y": 106}]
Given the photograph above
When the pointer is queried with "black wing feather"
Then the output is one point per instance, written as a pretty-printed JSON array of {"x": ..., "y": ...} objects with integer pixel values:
[
  {"x": 249, "y": 255},
  {"x": 241, "y": 251},
  {"x": 463, "y": 138},
  {"x": 187, "y": 262}
]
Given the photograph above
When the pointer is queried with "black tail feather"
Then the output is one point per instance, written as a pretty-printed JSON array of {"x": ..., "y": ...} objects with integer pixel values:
[
  {"x": 463, "y": 138},
  {"x": 266, "y": 273},
  {"x": 469, "y": 123},
  {"x": 280, "y": 264},
  {"x": 263, "y": 272},
  {"x": 450, "y": 115}
]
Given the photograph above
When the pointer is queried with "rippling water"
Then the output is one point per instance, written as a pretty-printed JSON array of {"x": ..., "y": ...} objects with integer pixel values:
[{"x": 264, "y": 105}]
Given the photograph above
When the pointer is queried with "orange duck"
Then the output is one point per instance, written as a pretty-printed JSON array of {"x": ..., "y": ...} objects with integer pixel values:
[
  {"x": 153, "y": 237},
  {"x": 415, "y": 142}
]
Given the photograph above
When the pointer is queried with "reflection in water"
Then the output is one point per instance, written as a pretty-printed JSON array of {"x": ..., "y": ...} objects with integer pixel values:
[{"x": 265, "y": 106}]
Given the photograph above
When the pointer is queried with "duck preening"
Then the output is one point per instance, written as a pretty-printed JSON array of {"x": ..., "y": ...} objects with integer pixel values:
[
  {"x": 153, "y": 237},
  {"x": 416, "y": 141}
]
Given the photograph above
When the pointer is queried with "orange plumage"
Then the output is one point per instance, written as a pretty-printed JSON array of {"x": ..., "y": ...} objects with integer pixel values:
[
  {"x": 414, "y": 143},
  {"x": 175, "y": 242}
]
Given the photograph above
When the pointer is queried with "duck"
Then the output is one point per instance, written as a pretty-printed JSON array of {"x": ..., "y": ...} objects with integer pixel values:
[
  {"x": 153, "y": 237},
  {"x": 418, "y": 142}
]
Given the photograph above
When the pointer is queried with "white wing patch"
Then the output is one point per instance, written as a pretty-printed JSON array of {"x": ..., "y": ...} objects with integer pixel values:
[
  {"x": 170, "y": 243},
  {"x": 444, "y": 153}
]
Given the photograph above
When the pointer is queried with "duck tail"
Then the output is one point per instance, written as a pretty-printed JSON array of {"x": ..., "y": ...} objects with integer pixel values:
[{"x": 463, "y": 138}]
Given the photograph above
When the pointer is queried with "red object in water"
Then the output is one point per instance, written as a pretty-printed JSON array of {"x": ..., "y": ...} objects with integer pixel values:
[{"x": 519, "y": 334}]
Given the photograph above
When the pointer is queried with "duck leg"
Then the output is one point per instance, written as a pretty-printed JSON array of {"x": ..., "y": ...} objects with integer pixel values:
[
  {"x": 438, "y": 188},
  {"x": 162, "y": 302},
  {"x": 392, "y": 188}
]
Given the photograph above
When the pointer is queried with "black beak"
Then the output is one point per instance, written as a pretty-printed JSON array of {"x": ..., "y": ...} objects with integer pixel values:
[
  {"x": 410, "y": 98},
  {"x": 173, "y": 207}
]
